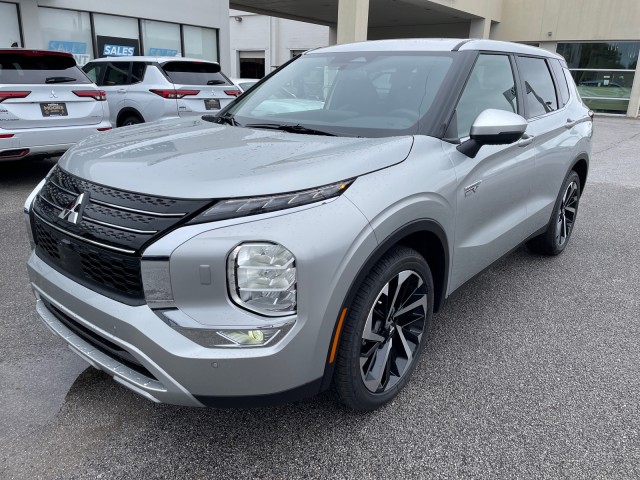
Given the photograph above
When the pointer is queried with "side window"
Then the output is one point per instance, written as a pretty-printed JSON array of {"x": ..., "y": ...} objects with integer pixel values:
[
  {"x": 137, "y": 72},
  {"x": 94, "y": 72},
  {"x": 117, "y": 73},
  {"x": 561, "y": 81},
  {"x": 490, "y": 85},
  {"x": 540, "y": 93}
]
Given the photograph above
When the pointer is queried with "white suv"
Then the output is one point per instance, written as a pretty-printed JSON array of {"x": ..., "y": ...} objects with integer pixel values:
[
  {"x": 144, "y": 89},
  {"x": 47, "y": 104}
]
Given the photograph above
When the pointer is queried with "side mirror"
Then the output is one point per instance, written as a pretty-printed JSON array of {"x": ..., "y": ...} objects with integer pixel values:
[{"x": 493, "y": 127}]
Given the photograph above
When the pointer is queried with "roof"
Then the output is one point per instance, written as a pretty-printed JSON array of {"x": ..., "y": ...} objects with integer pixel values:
[
  {"x": 150, "y": 58},
  {"x": 436, "y": 45},
  {"x": 31, "y": 51}
]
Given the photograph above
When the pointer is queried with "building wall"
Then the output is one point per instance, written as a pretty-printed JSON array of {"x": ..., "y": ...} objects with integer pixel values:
[
  {"x": 202, "y": 13},
  {"x": 276, "y": 37},
  {"x": 566, "y": 20}
]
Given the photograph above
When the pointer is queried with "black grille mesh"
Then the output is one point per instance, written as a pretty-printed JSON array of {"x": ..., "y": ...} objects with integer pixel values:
[{"x": 102, "y": 251}]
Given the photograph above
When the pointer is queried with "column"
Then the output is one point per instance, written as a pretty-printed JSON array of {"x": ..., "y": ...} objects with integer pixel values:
[
  {"x": 634, "y": 101},
  {"x": 480, "y": 28},
  {"x": 333, "y": 35},
  {"x": 353, "y": 20}
]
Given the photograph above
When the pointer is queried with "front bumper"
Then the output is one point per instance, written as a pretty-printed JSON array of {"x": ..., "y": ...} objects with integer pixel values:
[{"x": 185, "y": 373}]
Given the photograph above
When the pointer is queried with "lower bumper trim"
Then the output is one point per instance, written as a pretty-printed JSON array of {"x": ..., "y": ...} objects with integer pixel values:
[{"x": 288, "y": 396}]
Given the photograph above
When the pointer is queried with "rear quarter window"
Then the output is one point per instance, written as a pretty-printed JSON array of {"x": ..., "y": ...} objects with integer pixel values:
[
  {"x": 561, "y": 80},
  {"x": 195, "y": 73},
  {"x": 39, "y": 68}
]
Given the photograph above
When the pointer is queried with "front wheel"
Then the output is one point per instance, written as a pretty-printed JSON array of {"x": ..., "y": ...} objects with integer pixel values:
[
  {"x": 385, "y": 330},
  {"x": 563, "y": 218}
]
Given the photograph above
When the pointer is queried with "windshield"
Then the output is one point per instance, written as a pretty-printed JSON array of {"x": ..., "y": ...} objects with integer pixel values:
[{"x": 368, "y": 94}]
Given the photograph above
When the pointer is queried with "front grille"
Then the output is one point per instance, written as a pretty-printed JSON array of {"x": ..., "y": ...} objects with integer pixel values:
[
  {"x": 102, "y": 249},
  {"x": 105, "y": 346}
]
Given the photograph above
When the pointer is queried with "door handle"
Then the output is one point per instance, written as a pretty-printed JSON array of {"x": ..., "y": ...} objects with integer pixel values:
[
  {"x": 525, "y": 140},
  {"x": 121, "y": 90},
  {"x": 570, "y": 123}
]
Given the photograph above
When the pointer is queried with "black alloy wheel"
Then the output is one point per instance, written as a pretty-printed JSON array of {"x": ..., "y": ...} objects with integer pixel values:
[
  {"x": 563, "y": 219},
  {"x": 385, "y": 330}
]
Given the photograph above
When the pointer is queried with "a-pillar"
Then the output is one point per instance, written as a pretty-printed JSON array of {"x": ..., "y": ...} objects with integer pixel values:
[
  {"x": 634, "y": 101},
  {"x": 353, "y": 20},
  {"x": 480, "y": 28}
]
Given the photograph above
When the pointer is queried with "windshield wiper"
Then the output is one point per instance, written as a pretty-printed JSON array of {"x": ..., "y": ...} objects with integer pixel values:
[
  {"x": 60, "y": 79},
  {"x": 290, "y": 128},
  {"x": 228, "y": 119},
  {"x": 216, "y": 82}
]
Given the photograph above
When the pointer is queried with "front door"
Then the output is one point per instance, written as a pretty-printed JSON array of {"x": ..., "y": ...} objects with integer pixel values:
[{"x": 493, "y": 188}]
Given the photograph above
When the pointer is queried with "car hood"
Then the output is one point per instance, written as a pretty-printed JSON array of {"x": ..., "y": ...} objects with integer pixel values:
[{"x": 193, "y": 158}]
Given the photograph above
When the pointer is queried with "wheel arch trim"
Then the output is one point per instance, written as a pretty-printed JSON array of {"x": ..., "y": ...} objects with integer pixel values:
[
  {"x": 127, "y": 111},
  {"x": 580, "y": 165}
]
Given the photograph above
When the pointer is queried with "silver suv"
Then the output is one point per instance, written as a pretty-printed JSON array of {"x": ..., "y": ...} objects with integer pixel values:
[
  {"x": 145, "y": 89},
  {"x": 47, "y": 104},
  {"x": 304, "y": 237}
]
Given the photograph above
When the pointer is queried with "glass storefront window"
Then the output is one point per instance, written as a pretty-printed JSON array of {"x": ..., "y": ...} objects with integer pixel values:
[
  {"x": 116, "y": 36},
  {"x": 67, "y": 31},
  {"x": 200, "y": 42},
  {"x": 161, "y": 39},
  {"x": 603, "y": 71},
  {"x": 9, "y": 25}
]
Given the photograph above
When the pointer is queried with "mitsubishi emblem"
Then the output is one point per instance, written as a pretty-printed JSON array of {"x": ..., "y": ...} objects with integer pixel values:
[
  {"x": 53, "y": 94},
  {"x": 73, "y": 212}
]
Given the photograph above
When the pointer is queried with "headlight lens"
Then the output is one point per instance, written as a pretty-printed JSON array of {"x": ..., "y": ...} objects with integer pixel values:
[
  {"x": 242, "y": 207},
  {"x": 262, "y": 278}
]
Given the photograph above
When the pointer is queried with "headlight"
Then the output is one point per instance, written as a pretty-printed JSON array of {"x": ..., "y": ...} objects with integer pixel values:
[
  {"x": 262, "y": 278},
  {"x": 242, "y": 207}
]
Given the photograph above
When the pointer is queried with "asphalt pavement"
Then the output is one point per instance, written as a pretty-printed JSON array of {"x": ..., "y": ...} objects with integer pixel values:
[{"x": 532, "y": 370}]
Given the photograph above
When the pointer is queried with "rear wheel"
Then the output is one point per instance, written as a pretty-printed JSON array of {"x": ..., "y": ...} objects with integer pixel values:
[
  {"x": 554, "y": 240},
  {"x": 131, "y": 120},
  {"x": 385, "y": 330}
]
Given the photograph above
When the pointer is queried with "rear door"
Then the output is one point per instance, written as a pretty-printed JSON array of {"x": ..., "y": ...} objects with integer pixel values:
[
  {"x": 200, "y": 87},
  {"x": 552, "y": 126},
  {"x": 113, "y": 78},
  {"x": 44, "y": 89}
]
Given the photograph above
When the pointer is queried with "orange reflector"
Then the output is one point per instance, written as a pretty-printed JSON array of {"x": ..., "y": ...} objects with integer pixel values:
[{"x": 336, "y": 338}]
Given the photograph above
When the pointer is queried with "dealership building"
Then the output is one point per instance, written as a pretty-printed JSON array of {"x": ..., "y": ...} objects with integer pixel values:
[{"x": 600, "y": 40}]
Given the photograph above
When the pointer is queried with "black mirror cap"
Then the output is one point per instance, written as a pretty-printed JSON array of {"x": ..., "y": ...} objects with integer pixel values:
[
  {"x": 471, "y": 147},
  {"x": 502, "y": 138}
]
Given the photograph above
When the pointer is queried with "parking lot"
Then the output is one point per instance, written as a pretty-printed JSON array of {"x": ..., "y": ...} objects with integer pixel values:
[{"x": 532, "y": 370}]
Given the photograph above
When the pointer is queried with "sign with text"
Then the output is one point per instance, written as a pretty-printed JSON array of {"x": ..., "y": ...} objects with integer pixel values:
[
  {"x": 163, "y": 52},
  {"x": 118, "y": 46},
  {"x": 77, "y": 49}
]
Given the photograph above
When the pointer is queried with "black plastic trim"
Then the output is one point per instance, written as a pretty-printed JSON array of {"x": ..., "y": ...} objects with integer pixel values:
[{"x": 287, "y": 396}]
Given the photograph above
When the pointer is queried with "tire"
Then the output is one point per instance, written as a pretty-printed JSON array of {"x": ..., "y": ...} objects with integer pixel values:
[
  {"x": 389, "y": 349},
  {"x": 131, "y": 120},
  {"x": 565, "y": 211}
]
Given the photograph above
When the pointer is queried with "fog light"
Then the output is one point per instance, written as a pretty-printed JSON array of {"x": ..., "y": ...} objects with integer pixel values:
[{"x": 249, "y": 337}]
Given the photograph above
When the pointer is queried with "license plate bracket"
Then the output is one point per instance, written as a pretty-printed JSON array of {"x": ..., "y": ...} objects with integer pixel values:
[
  {"x": 212, "y": 104},
  {"x": 55, "y": 109}
]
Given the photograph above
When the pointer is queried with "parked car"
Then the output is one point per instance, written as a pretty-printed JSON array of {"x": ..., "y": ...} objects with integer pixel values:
[
  {"x": 47, "y": 104},
  {"x": 245, "y": 84},
  {"x": 256, "y": 258},
  {"x": 145, "y": 89}
]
